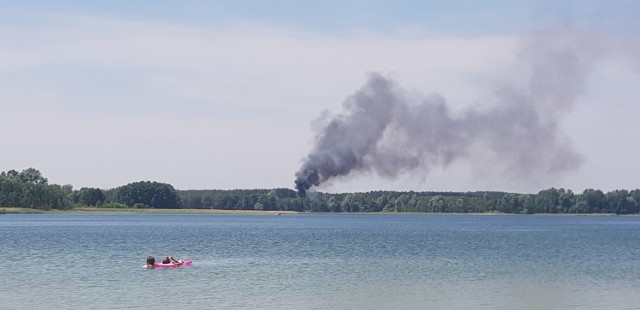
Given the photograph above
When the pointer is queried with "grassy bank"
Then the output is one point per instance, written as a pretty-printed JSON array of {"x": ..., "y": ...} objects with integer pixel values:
[{"x": 10, "y": 210}]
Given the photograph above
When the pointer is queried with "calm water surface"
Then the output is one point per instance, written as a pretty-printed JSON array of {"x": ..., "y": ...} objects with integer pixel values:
[{"x": 320, "y": 262}]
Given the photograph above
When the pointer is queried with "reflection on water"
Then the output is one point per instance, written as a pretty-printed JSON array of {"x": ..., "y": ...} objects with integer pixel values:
[{"x": 320, "y": 262}]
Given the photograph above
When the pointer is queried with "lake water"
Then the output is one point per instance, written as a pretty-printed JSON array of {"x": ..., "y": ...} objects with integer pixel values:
[{"x": 320, "y": 261}]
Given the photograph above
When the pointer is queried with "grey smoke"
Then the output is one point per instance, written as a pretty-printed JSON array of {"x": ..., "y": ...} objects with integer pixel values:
[{"x": 384, "y": 130}]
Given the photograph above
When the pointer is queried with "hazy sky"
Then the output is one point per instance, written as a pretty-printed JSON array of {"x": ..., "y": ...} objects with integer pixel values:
[{"x": 224, "y": 94}]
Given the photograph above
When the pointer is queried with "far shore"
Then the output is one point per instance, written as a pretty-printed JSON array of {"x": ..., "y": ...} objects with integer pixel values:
[
  {"x": 95, "y": 210},
  {"x": 87, "y": 210}
]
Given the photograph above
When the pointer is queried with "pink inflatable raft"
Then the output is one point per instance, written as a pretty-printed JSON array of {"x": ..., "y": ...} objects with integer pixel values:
[{"x": 185, "y": 262}]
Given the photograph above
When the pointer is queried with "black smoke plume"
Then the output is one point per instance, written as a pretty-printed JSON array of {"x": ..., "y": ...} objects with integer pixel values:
[{"x": 383, "y": 130}]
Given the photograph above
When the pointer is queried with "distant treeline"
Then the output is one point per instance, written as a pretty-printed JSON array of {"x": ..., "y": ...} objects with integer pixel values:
[
  {"x": 29, "y": 189},
  {"x": 547, "y": 201}
]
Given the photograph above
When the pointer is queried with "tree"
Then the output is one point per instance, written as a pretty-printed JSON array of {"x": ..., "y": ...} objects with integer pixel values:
[
  {"x": 29, "y": 189},
  {"x": 91, "y": 196},
  {"x": 153, "y": 194},
  {"x": 10, "y": 191},
  {"x": 620, "y": 202},
  {"x": 591, "y": 201},
  {"x": 547, "y": 200},
  {"x": 32, "y": 176},
  {"x": 566, "y": 200}
]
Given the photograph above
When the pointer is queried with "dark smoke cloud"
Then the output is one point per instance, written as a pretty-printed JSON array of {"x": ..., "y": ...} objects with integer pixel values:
[{"x": 382, "y": 130}]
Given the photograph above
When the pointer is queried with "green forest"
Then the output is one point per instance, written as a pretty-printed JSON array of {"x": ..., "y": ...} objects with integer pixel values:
[{"x": 30, "y": 189}]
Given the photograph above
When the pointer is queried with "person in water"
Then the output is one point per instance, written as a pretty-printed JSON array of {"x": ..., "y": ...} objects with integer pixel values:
[
  {"x": 170, "y": 259},
  {"x": 151, "y": 261}
]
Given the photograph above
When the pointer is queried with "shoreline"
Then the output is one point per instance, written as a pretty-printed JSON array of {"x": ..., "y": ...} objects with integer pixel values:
[{"x": 96, "y": 210}]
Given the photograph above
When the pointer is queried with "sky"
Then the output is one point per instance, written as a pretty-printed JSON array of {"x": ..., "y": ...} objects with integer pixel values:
[{"x": 226, "y": 94}]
